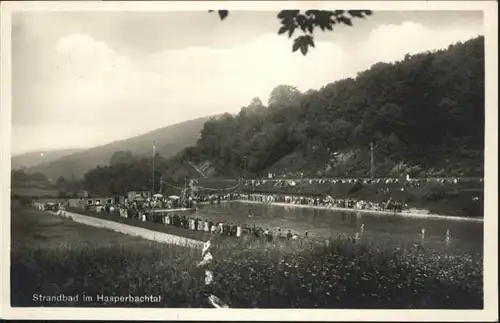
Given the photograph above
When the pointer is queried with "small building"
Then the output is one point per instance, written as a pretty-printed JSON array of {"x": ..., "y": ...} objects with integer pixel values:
[
  {"x": 99, "y": 200},
  {"x": 82, "y": 194},
  {"x": 144, "y": 194},
  {"x": 78, "y": 202}
]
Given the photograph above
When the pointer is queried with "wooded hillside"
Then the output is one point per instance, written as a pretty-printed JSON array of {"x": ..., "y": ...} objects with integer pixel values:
[{"x": 424, "y": 114}]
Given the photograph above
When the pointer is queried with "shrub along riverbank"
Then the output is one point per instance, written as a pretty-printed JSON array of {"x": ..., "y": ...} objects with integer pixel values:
[{"x": 248, "y": 273}]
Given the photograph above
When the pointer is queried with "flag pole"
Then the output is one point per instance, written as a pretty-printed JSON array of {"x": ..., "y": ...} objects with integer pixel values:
[
  {"x": 153, "y": 193},
  {"x": 154, "y": 150}
]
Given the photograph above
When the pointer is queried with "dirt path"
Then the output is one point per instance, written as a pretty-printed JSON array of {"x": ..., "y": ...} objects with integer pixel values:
[{"x": 131, "y": 230}]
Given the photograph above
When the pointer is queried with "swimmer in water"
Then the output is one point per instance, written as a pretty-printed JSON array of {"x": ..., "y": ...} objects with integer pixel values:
[
  {"x": 362, "y": 228},
  {"x": 422, "y": 233},
  {"x": 448, "y": 235}
]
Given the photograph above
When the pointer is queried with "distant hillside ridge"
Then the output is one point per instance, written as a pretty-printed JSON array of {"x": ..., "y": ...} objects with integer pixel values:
[
  {"x": 168, "y": 141},
  {"x": 35, "y": 158}
]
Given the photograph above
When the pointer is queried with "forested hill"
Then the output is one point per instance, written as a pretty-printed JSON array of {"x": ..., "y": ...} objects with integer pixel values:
[{"x": 424, "y": 113}]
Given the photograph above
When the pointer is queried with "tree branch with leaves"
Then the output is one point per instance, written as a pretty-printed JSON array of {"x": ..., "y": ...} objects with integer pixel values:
[{"x": 307, "y": 22}]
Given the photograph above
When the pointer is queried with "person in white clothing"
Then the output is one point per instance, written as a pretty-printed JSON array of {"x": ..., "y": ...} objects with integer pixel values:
[
  {"x": 206, "y": 247},
  {"x": 206, "y": 264},
  {"x": 238, "y": 231}
]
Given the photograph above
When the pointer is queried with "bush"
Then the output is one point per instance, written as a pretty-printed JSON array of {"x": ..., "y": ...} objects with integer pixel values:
[
  {"x": 414, "y": 171},
  {"x": 399, "y": 169},
  {"x": 356, "y": 188},
  {"x": 437, "y": 192},
  {"x": 62, "y": 194},
  {"x": 25, "y": 201}
]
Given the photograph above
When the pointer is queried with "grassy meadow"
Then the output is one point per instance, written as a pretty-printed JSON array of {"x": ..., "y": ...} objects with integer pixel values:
[{"x": 52, "y": 255}]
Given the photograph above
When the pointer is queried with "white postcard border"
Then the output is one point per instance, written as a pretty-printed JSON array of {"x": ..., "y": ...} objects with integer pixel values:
[{"x": 490, "y": 312}]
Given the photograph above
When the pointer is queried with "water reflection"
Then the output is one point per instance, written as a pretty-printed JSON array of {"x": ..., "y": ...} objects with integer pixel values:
[{"x": 467, "y": 235}]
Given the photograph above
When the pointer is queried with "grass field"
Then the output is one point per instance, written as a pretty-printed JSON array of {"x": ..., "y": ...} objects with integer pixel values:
[
  {"x": 33, "y": 192},
  {"x": 51, "y": 255}
]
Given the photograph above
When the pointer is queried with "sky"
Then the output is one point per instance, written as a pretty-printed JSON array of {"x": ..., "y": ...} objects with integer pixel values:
[{"x": 81, "y": 79}]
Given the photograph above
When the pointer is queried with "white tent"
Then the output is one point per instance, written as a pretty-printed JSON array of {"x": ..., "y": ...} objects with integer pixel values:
[
  {"x": 158, "y": 195},
  {"x": 174, "y": 197}
]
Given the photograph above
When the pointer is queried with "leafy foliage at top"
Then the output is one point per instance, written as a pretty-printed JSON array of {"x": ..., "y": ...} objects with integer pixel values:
[
  {"x": 424, "y": 114},
  {"x": 308, "y": 21}
]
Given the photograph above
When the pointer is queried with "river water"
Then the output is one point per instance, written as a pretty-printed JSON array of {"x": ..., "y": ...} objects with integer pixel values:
[{"x": 466, "y": 236}]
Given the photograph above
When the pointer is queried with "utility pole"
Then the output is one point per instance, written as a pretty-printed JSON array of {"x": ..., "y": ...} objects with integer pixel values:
[
  {"x": 372, "y": 161},
  {"x": 301, "y": 178},
  {"x": 186, "y": 197},
  {"x": 244, "y": 167}
]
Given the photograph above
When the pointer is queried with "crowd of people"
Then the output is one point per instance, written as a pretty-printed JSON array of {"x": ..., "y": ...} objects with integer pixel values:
[
  {"x": 324, "y": 201},
  {"x": 140, "y": 207},
  {"x": 285, "y": 182},
  {"x": 159, "y": 210},
  {"x": 192, "y": 222}
]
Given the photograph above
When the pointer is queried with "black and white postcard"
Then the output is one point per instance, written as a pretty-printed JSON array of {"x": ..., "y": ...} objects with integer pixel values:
[{"x": 249, "y": 160}]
